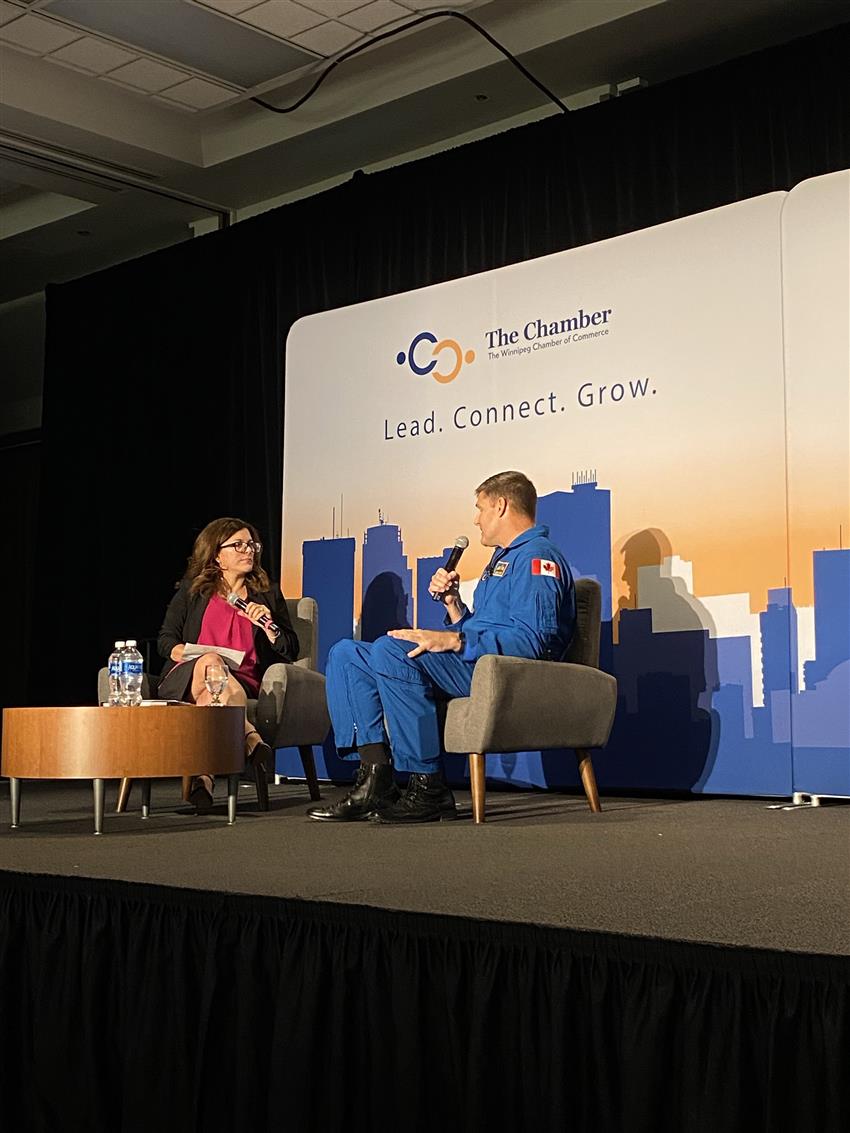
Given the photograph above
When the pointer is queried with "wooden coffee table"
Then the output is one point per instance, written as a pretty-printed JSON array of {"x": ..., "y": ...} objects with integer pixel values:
[{"x": 149, "y": 742}]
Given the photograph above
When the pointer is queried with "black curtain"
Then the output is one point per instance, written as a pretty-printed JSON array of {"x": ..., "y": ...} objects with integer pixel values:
[
  {"x": 128, "y": 1008},
  {"x": 163, "y": 401}
]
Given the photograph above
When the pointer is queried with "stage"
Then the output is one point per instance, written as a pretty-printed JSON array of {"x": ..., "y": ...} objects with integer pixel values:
[
  {"x": 719, "y": 871},
  {"x": 671, "y": 964}
]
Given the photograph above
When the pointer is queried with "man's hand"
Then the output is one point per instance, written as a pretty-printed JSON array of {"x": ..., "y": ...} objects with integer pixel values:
[
  {"x": 177, "y": 653},
  {"x": 428, "y": 640},
  {"x": 444, "y": 582}
]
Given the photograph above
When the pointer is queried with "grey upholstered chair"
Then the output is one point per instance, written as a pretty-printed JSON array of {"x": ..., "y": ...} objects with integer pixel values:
[
  {"x": 520, "y": 705},
  {"x": 291, "y": 709}
]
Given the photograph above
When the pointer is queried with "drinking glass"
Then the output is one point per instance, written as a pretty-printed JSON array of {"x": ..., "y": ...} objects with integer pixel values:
[{"x": 215, "y": 678}]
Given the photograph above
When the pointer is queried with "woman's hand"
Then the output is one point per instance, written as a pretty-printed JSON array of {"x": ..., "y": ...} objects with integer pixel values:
[
  {"x": 177, "y": 653},
  {"x": 254, "y": 611}
]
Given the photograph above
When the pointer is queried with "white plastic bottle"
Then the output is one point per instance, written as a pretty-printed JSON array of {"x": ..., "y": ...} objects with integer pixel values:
[
  {"x": 132, "y": 669},
  {"x": 114, "y": 666}
]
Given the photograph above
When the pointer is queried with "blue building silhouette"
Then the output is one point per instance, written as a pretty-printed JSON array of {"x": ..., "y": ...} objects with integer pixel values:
[
  {"x": 579, "y": 523},
  {"x": 778, "y": 643},
  {"x": 387, "y": 582},
  {"x": 329, "y": 578},
  {"x": 832, "y": 615},
  {"x": 429, "y": 614}
]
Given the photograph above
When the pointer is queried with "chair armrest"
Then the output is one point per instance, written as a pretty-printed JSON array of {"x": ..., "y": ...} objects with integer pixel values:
[
  {"x": 291, "y": 707},
  {"x": 521, "y": 705}
]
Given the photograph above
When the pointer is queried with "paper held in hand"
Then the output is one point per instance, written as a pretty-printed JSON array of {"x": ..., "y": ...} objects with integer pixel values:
[{"x": 233, "y": 657}]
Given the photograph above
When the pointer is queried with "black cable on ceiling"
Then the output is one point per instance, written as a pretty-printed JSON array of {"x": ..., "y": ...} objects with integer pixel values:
[{"x": 406, "y": 27}]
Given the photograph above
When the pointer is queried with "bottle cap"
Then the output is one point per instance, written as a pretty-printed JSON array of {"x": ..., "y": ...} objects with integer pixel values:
[
  {"x": 130, "y": 641},
  {"x": 120, "y": 644}
]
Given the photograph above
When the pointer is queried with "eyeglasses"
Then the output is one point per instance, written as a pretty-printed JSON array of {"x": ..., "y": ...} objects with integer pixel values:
[{"x": 241, "y": 546}]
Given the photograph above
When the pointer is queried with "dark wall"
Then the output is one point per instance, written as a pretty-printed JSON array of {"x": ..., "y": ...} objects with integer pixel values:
[{"x": 163, "y": 399}]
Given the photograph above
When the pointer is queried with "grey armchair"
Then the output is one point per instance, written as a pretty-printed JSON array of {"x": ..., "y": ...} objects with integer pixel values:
[
  {"x": 290, "y": 710},
  {"x": 520, "y": 705}
]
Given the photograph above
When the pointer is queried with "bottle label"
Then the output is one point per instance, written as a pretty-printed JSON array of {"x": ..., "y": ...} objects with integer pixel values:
[{"x": 132, "y": 668}]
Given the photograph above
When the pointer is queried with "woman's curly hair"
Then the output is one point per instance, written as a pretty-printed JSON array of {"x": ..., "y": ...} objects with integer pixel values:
[{"x": 203, "y": 571}]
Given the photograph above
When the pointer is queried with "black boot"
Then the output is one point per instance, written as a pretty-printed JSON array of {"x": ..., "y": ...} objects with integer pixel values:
[
  {"x": 427, "y": 798},
  {"x": 373, "y": 790}
]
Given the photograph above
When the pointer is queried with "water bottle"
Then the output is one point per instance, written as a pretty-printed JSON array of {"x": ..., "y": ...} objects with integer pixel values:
[
  {"x": 114, "y": 668},
  {"x": 132, "y": 667}
]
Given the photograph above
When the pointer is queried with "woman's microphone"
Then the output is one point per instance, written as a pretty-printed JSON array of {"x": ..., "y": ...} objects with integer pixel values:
[
  {"x": 241, "y": 604},
  {"x": 460, "y": 545}
]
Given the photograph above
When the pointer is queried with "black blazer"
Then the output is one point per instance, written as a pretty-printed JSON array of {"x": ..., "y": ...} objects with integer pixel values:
[{"x": 185, "y": 613}]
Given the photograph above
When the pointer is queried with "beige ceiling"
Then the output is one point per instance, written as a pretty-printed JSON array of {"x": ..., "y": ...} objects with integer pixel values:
[{"x": 123, "y": 123}]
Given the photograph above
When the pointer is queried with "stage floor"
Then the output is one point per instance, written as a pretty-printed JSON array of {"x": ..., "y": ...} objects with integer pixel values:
[{"x": 725, "y": 871}]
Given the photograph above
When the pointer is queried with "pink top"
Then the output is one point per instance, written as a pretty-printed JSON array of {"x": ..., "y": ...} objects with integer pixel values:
[{"x": 223, "y": 625}]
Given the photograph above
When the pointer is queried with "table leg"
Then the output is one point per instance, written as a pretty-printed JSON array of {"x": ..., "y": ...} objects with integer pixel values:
[
  {"x": 232, "y": 795},
  {"x": 99, "y": 792},
  {"x": 123, "y": 795},
  {"x": 15, "y": 796},
  {"x": 146, "y": 798}
]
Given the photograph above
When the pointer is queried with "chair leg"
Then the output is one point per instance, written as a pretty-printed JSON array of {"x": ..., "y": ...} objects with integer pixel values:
[
  {"x": 476, "y": 782},
  {"x": 186, "y": 788},
  {"x": 309, "y": 764},
  {"x": 588, "y": 779},
  {"x": 123, "y": 795}
]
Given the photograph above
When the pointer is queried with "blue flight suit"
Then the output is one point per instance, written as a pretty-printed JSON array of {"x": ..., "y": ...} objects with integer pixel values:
[{"x": 524, "y": 607}]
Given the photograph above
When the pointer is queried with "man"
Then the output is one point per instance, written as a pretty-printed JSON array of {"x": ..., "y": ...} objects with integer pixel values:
[{"x": 524, "y": 607}]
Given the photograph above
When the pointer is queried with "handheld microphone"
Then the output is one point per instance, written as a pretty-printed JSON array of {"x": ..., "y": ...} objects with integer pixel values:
[
  {"x": 460, "y": 545},
  {"x": 241, "y": 604}
]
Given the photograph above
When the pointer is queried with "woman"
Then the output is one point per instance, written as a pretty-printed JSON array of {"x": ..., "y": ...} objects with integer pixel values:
[{"x": 225, "y": 560}]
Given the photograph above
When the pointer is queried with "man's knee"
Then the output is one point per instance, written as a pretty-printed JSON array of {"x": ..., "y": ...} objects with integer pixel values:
[
  {"x": 389, "y": 657},
  {"x": 342, "y": 651}
]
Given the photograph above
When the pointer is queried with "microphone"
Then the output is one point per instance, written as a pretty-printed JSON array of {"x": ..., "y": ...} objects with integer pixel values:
[
  {"x": 241, "y": 604},
  {"x": 460, "y": 545}
]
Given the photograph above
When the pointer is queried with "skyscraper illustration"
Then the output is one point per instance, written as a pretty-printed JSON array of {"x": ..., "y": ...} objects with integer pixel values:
[
  {"x": 579, "y": 523},
  {"x": 429, "y": 614},
  {"x": 329, "y": 578},
  {"x": 779, "y": 643},
  {"x": 832, "y": 614},
  {"x": 387, "y": 582}
]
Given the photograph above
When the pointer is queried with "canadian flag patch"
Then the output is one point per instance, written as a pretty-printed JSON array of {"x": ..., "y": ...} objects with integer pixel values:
[{"x": 545, "y": 566}]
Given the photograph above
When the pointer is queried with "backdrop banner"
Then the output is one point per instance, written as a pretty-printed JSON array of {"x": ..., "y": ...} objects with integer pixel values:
[
  {"x": 640, "y": 383},
  {"x": 816, "y": 287}
]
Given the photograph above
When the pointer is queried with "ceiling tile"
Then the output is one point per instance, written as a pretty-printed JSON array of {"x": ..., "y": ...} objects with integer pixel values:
[
  {"x": 328, "y": 39},
  {"x": 148, "y": 75},
  {"x": 376, "y": 14},
  {"x": 190, "y": 36},
  {"x": 199, "y": 94},
  {"x": 230, "y": 7},
  {"x": 281, "y": 17},
  {"x": 176, "y": 107},
  {"x": 334, "y": 8},
  {"x": 426, "y": 5},
  {"x": 95, "y": 55},
  {"x": 9, "y": 12},
  {"x": 38, "y": 34}
]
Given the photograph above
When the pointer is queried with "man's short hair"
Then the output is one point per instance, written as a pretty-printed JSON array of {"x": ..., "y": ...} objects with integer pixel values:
[{"x": 514, "y": 487}]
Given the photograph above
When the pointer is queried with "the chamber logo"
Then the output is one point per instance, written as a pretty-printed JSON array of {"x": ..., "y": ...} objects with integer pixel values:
[{"x": 423, "y": 361}]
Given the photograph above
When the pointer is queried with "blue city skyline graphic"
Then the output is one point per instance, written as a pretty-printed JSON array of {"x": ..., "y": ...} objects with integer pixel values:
[{"x": 687, "y": 715}]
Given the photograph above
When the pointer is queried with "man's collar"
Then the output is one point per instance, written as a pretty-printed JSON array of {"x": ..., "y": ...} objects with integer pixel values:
[{"x": 530, "y": 533}]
